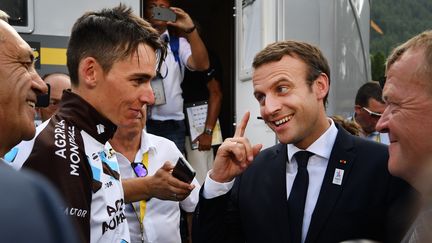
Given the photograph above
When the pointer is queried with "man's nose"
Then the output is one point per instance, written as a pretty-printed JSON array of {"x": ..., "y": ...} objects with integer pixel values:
[
  {"x": 147, "y": 95},
  {"x": 271, "y": 105},
  {"x": 381, "y": 125},
  {"x": 38, "y": 85}
]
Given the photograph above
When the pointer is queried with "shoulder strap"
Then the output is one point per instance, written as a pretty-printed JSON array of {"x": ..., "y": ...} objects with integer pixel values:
[{"x": 175, "y": 44}]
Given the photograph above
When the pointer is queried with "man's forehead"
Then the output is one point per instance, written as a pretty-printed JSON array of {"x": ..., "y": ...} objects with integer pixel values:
[
  {"x": 9, "y": 34},
  {"x": 413, "y": 56},
  {"x": 408, "y": 67},
  {"x": 3, "y": 31}
]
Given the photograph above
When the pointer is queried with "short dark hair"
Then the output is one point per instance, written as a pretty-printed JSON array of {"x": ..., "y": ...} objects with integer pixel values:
[
  {"x": 366, "y": 91},
  {"x": 311, "y": 55},
  {"x": 109, "y": 35}
]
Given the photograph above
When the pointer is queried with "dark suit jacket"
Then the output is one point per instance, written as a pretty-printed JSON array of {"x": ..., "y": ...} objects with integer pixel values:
[
  {"x": 31, "y": 210},
  {"x": 370, "y": 203}
]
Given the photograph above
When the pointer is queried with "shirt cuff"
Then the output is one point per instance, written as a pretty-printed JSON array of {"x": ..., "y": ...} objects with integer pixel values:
[{"x": 214, "y": 189}]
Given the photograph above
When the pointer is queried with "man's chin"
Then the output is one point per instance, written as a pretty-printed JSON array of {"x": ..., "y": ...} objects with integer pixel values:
[
  {"x": 133, "y": 123},
  {"x": 29, "y": 133}
]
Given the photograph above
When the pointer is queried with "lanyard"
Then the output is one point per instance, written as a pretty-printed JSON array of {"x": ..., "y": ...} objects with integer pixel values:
[
  {"x": 142, "y": 203},
  {"x": 145, "y": 161}
]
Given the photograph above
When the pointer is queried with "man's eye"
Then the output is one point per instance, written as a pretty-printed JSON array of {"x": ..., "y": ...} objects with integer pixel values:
[
  {"x": 282, "y": 89},
  {"x": 140, "y": 81},
  {"x": 54, "y": 102},
  {"x": 260, "y": 98}
]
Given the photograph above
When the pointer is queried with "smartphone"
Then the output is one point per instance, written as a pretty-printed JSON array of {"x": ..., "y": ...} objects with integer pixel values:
[
  {"x": 43, "y": 100},
  {"x": 183, "y": 171},
  {"x": 164, "y": 14}
]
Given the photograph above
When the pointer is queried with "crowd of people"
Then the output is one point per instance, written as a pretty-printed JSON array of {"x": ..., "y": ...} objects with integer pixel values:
[{"x": 98, "y": 167}]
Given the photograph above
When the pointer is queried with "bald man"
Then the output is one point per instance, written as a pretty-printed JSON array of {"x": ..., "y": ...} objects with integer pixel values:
[
  {"x": 58, "y": 82},
  {"x": 30, "y": 208}
]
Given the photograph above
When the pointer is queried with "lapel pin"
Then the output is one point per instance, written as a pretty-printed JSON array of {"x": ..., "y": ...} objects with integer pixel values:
[
  {"x": 338, "y": 176},
  {"x": 342, "y": 161}
]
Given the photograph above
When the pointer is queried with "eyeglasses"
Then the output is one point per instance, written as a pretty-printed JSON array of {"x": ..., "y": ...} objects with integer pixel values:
[
  {"x": 139, "y": 169},
  {"x": 372, "y": 113}
]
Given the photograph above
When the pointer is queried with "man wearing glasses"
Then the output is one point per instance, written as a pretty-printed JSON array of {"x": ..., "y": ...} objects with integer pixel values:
[
  {"x": 368, "y": 109},
  {"x": 150, "y": 158}
]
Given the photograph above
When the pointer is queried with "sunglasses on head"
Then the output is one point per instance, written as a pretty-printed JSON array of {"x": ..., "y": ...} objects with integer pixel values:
[
  {"x": 139, "y": 169},
  {"x": 372, "y": 113}
]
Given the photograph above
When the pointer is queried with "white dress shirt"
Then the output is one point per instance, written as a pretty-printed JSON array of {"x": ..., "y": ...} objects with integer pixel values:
[
  {"x": 316, "y": 167},
  {"x": 172, "y": 74},
  {"x": 162, "y": 217}
]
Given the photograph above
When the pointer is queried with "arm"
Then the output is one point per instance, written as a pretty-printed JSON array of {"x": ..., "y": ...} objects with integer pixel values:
[
  {"x": 161, "y": 185},
  {"x": 234, "y": 155},
  {"x": 214, "y": 106},
  {"x": 75, "y": 190},
  {"x": 199, "y": 60},
  {"x": 216, "y": 219}
]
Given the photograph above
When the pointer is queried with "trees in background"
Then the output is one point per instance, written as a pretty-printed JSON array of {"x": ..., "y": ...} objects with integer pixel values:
[{"x": 399, "y": 21}]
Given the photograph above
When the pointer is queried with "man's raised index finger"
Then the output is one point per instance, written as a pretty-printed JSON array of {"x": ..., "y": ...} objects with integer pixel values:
[{"x": 240, "y": 129}]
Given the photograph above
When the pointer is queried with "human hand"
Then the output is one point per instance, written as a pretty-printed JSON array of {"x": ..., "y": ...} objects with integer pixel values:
[
  {"x": 183, "y": 22},
  {"x": 204, "y": 141},
  {"x": 234, "y": 155},
  {"x": 166, "y": 187}
]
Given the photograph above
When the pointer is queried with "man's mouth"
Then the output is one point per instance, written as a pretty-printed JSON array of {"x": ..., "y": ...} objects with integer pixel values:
[
  {"x": 31, "y": 103},
  {"x": 283, "y": 120}
]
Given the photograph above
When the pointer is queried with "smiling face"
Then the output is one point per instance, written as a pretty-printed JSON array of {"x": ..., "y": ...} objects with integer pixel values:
[
  {"x": 19, "y": 85},
  {"x": 290, "y": 107},
  {"x": 120, "y": 93},
  {"x": 407, "y": 118}
]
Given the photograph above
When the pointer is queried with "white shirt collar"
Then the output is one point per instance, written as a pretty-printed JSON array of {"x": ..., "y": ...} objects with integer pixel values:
[
  {"x": 165, "y": 36},
  {"x": 146, "y": 146},
  {"x": 322, "y": 146}
]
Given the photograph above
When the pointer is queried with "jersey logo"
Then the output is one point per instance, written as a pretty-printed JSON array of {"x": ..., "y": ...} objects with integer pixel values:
[{"x": 108, "y": 168}]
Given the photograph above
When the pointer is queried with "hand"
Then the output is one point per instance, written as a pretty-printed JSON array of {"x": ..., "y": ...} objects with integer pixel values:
[
  {"x": 204, "y": 141},
  {"x": 166, "y": 187},
  {"x": 183, "y": 22},
  {"x": 234, "y": 155}
]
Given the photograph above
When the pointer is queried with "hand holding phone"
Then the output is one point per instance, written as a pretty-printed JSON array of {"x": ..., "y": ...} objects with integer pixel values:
[
  {"x": 183, "y": 171},
  {"x": 164, "y": 14}
]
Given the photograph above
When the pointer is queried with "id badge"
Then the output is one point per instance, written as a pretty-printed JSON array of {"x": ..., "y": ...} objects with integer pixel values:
[{"x": 159, "y": 91}]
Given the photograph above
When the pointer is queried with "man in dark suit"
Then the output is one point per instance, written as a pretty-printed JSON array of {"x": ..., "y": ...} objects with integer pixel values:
[
  {"x": 407, "y": 119},
  {"x": 30, "y": 209},
  {"x": 343, "y": 191}
]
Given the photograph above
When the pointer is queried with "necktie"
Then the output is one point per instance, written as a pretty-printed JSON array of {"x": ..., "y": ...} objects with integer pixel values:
[{"x": 297, "y": 197}]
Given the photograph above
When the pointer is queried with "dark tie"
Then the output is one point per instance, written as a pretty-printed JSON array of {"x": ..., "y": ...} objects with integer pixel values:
[{"x": 297, "y": 197}]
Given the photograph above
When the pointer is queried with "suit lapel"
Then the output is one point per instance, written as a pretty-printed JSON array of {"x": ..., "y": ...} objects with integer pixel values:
[
  {"x": 340, "y": 161},
  {"x": 277, "y": 172},
  {"x": 277, "y": 191}
]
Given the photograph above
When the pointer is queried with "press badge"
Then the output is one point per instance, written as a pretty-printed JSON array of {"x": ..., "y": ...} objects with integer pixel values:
[
  {"x": 338, "y": 176},
  {"x": 159, "y": 91}
]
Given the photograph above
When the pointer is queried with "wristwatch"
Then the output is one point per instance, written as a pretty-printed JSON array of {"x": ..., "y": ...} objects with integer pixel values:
[{"x": 208, "y": 131}]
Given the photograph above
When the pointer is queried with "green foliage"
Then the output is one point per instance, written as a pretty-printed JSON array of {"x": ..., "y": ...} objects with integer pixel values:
[
  {"x": 378, "y": 66},
  {"x": 399, "y": 20}
]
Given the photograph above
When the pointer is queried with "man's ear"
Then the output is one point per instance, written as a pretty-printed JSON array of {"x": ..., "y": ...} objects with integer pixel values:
[
  {"x": 88, "y": 71},
  {"x": 322, "y": 86}
]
